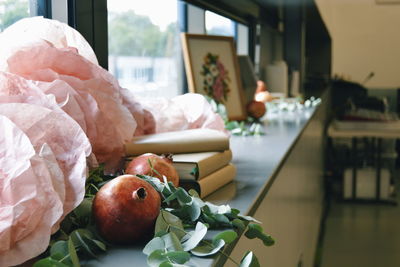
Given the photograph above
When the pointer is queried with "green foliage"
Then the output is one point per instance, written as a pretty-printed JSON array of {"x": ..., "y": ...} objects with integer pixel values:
[
  {"x": 180, "y": 231},
  {"x": 248, "y": 127},
  {"x": 184, "y": 221}
]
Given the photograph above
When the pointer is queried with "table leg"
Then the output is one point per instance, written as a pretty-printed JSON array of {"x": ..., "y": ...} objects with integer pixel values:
[
  {"x": 378, "y": 168},
  {"x": 354, "y": 178}
]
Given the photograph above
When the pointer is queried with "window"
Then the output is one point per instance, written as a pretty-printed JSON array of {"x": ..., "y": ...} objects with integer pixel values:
[
  {"x": 144, "y": 46},
  {"x": 12, "y": 11},
  {"x": 219, "y": 25}
]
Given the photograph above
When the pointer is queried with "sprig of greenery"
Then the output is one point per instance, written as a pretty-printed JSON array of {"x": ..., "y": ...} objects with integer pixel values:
[
  {"x": 184, "y": 221},
  {"x": 180, "y": 229},
  {"x": 248, "y": 127}
]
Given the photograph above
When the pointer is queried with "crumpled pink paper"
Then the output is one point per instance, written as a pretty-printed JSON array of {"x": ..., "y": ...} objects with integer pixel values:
[
  {"x": 109, "y": 124},
  {"x": 28, "y": 31},
  {"x": 188, "y": 111},
  {"x": 65, "y": 138},
  {"x": 29, "y": 205}
]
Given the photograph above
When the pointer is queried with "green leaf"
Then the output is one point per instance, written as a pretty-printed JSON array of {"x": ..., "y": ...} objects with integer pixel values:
[
  {"x": 179, "y": 257},
  {"x": 208, "y": 219},
  {"x": 191, "y": 212},
  {"x": 183, "y": 196},
  {"x": 59, "y": 251},
  {"x": 208, "y": 249},
  {"x": 81, "y": 238},
  {"x": 167, "y": 222},
  {"x": 72, "y": 253},
  {"x": 249, "y": 260},
  {"x": 84, "y": 209},
  {"x": 155, "y": 244},
  {"x": 99, "y": 244},
  {"x": 49, "y": 262},
  {"x": 193, "y": 238},
  {"x": 253, "y": 231},
  {"x": 218, "y": 209},
  {"x": 248, "y": 218},
  {"x": 256, "y": 231},
  {"x": 156, "y": 258},
  {"x": 179, "y": 194},
  {"x": 222, "y": 219},
  {"x": 238, "y": 223},
  {"x": 166, "y": 264},
  {"x": 172, "y": 242},
  {"x": 228, "y": 236},
  {"x": 194, "y": 193}
]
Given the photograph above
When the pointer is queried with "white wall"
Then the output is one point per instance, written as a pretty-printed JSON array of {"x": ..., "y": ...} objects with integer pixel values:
[{"x": 365, "y": 37}]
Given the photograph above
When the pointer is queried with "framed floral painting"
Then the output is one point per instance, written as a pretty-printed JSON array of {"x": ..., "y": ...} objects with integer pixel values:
[{"x": 212, "y": 69}]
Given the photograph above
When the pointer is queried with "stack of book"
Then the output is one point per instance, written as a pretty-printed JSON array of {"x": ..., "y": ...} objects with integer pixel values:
[{"x": 202, "y": 157}]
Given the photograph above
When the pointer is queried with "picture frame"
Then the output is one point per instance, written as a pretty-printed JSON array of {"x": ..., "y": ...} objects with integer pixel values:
[{"x": 212, "y": 69}]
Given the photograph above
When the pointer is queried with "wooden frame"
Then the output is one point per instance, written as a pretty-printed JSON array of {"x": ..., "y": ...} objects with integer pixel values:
[{"x": 212, "y": 69}]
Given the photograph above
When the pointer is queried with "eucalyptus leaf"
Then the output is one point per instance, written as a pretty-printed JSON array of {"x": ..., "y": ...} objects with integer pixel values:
[
  {"x": 166, "y": 264},
  {"x": 228, "y": 236},
  {"x": 222, "y": 219},
  {"x": 253, "y": 231},
  {"x": 179, "y": 257},
  {"x": 179, "y": 194},
  {"x": 166, "y": 221},
  {"x": 156, "y": 258},
  {"x": 208, "y": 219},
  {"x": 172, "y": 243},
  {"x": 249, "y": 260},
  {"x": 238, "y": 223},
  {"x": 208, "y": 248},
  {"x": 49, "y": 262},
  {"x": 59, "y": 251},
  {"x": 72, "y": 253},
  {"x": 84, "y": 210},
  {"x": 218, "y": 209},
  {"x": 81, "y": 238},
  {"x": 193, "y": 238},
  {"x": 248, "y": 218},
  {"x": 156, "y": 243},
  {"x": 183, "y": 196},
  {"x": 99, "y": 244},
  {"x": 191, "y": 212},
  {"x": 193, "y": 193},
  {"x": 256, "y": 231}
]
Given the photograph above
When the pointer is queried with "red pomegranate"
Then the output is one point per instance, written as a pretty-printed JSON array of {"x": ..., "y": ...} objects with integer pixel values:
[
  {"x": 154, "y": 165},
  {"x": 125, "y": 210},
  {"x": 256, "y": 109}
]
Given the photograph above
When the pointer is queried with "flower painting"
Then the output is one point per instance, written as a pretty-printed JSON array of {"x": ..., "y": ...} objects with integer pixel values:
[
  {"x": 216, "y": 79},
  {"x": 212, "y": 69}
]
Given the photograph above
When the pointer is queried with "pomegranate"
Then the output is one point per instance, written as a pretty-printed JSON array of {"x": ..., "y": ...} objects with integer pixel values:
[
  {"x": 256, "y": 109},
  {"x": 125, "y": 210},
  {"x": 158, "y": 166}
]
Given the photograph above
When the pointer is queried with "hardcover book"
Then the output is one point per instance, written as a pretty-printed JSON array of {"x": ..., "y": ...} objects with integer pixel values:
[
  {"x": 211, "y": 182},
  {"x": 198, "y": 165},
  {"x": 186, "y": 141}
]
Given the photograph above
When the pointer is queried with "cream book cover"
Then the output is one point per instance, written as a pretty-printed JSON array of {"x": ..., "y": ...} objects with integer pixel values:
[
  {"x": 198, "y": 165},
  {"x": 211, "y": 182},
  {"x": 186, "y": 141}
]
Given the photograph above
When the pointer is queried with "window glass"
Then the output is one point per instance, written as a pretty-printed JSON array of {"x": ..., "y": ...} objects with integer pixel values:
[
  {"x": 144, "y": 46},
  {"x": 242, "y": 39},
  {"x": 12, "y": 11},
  {"x": 219, "y": 25}
]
